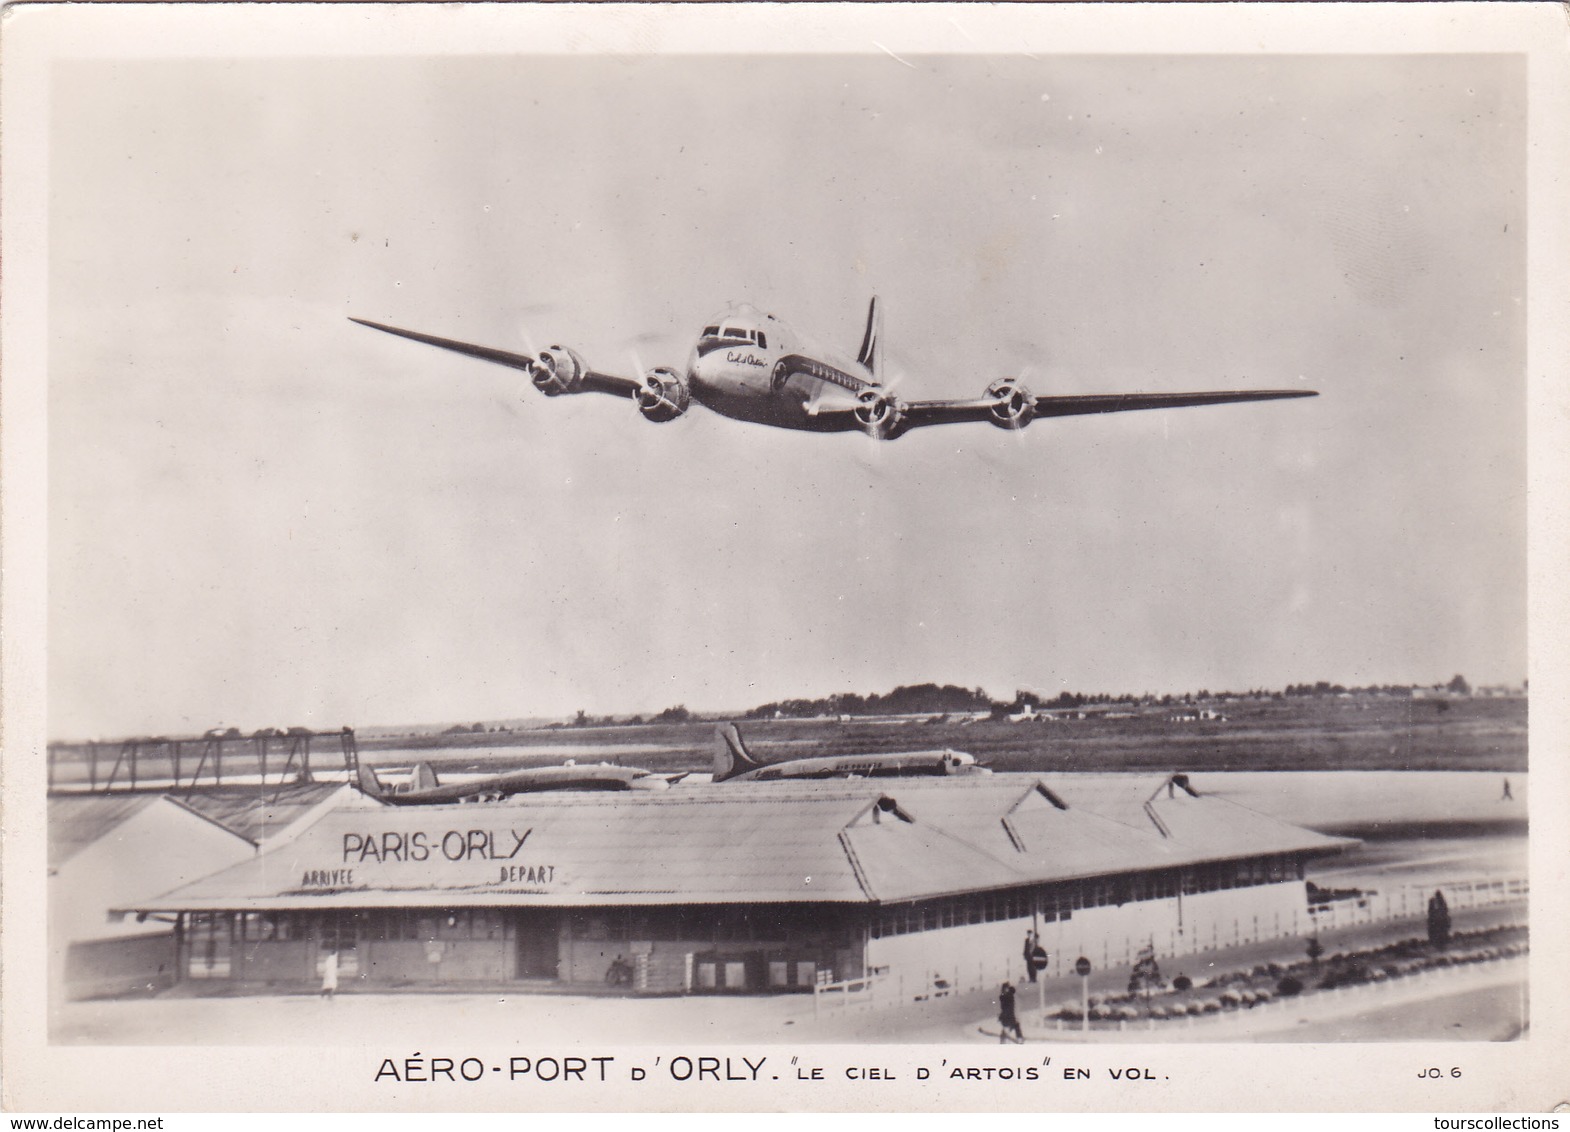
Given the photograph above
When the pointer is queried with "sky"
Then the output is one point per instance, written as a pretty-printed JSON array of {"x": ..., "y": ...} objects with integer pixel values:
[{"x": 261, "y": 514}]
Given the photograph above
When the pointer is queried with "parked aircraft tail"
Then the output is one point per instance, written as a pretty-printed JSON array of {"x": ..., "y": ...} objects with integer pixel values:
[
  {"x": 370, "y": 785},
  {"x": 423, "y": 778},
  {"x": 730, "y": 754},
  {"x": 871, "y": 353}
]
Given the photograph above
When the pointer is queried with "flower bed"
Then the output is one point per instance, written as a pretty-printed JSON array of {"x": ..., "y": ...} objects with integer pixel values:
[{"x": 1248, "y": 988}]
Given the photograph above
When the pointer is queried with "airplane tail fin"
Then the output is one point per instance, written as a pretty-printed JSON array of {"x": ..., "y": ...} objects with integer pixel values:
[
  {"x": 423, "y": 778},
  {"x": 730, "y": 754},
  {"x": 871, "y": 352},
  {"x": 370, "y": 785}
]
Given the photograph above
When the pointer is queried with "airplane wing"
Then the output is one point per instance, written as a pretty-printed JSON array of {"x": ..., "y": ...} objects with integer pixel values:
[
  {"x": 1009, "y": 405},
  {"x": 554, "y": 371},
  {"x": 1072, "y": 406}
]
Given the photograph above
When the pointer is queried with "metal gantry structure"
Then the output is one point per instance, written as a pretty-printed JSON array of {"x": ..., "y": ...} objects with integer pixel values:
[{"x": 269, "y": 756}]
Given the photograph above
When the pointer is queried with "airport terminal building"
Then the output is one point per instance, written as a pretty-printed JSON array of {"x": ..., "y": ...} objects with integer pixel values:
[{"x": 749, "y": 887}]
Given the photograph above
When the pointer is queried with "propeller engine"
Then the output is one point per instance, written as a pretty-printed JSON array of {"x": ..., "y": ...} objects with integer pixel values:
[
  {"x": 663, "y": 396},
  {"x": 557, "y": 370},
  {"x": 880, "y": 416},
  {"x": 1013, "y": 406}
]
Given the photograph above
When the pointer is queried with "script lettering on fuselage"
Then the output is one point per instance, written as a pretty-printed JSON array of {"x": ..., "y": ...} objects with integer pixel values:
[{"x": 747, "y": 359}]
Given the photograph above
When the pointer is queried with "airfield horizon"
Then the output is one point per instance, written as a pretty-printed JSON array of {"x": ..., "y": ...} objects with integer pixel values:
[
  {"x": 1352, "y": 733},
  {"x": 1313, "y": 733}
]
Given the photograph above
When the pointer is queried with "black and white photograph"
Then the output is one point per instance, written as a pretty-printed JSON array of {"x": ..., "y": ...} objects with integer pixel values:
[{"x": 692, "y": 546}]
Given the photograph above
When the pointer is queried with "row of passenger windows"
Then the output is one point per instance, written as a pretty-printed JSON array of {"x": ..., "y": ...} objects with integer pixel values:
[{"x": 737, "y": 332}]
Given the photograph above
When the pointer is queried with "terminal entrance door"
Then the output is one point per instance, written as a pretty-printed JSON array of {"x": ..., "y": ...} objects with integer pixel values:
[{"x": 537, "y": 946}]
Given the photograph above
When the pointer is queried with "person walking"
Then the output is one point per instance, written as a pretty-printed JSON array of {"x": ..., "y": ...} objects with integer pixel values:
[
  {"x": 330, "y": 975},
  {"x": 1007, "y": 1018}
]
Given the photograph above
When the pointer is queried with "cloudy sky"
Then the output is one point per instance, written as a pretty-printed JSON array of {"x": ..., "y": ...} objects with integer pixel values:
[{"x": 263, "y": 514}]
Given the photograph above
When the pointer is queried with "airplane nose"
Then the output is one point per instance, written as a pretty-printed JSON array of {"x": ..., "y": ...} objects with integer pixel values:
[{"x": 704, "y": 371}]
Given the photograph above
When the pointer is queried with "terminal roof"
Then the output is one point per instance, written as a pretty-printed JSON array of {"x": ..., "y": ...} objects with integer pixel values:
[{"x": 838, "y": 841}]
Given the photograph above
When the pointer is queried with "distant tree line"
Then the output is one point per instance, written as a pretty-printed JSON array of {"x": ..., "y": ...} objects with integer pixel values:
[
  {"x": 946, "y": 699},
  {"x": 1458, "y": 686},
  {"x": 912, "y": 699},
  {"x": 934, "y": 699}
]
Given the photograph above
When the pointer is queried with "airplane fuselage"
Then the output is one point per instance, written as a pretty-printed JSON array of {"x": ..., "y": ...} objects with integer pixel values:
[
  {"x": 601, "y": 776},
  {"x": 734, "y": 763},
  {"x": 749, "y": 366},
  {"x": 937, "y": 764}
]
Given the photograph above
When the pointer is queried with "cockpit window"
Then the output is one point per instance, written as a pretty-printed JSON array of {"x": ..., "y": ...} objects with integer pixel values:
[
  {"x": 762, "y": 341},
  {"x": 734, "y": 332},
  {"x": 711, "y": 331}
]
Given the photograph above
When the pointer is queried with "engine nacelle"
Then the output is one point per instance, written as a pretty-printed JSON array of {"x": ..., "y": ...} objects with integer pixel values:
[
  {"x": 1013, "y": 406},
  {"x": 879, "y": 415},
  {"x": 664, "y": 395},
  {"x": 557, "y": 371}
]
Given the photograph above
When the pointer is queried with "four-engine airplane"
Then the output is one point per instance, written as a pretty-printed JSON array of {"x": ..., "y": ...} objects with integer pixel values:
[
  {"x": 425, "y": 789},
  {"x": 733, "y": 763},
  {"x": 749, "y": 366}
]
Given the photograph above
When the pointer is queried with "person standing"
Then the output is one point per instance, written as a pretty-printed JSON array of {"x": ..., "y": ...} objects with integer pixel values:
[
  {"x": 330, "y": 975},
  {"x": 1006, "y": 1016},
  {"x": 1030, "y": 955}
]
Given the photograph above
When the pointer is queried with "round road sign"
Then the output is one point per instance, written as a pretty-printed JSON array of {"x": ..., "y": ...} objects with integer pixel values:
[{"x": 1082, "y": 966}]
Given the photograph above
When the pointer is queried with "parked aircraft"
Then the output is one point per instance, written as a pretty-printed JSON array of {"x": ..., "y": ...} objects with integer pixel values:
[
  {"x": 425, "y": 789},
  {"x": 733, "y": 763},
  {"x": 750, "y": 366}
]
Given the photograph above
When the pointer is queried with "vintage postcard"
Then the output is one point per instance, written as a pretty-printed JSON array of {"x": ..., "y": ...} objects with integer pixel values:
[{"x": 802, "y": 557}]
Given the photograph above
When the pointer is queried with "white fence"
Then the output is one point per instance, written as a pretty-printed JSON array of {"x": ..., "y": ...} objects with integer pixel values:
[
  {"x": 881, "y": 988},
  {"x": 1411, "y": 902}
]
